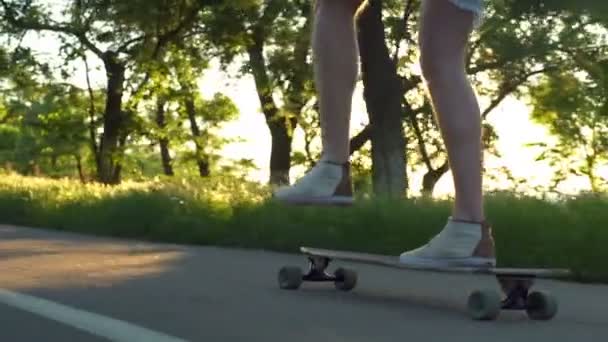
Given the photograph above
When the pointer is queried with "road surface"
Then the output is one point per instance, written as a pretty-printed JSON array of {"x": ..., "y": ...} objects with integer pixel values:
[{"x": 57, "y": 286}]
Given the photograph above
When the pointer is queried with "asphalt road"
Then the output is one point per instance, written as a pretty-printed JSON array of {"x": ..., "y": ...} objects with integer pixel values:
[{"x": 66, "y": 287}]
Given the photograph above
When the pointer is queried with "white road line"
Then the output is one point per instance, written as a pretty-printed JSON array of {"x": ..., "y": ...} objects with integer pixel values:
[{"x": 112, "y": 329}]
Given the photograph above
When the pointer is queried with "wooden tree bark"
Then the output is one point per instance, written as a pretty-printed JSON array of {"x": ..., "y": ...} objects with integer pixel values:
[
  {"x": 280, "y": 127},
  {"x": 382, "y": 93},
  {"x": 163, "y": 141},
  {"x": 204, "y": 169},
  {"x": 113, "y": 120}
]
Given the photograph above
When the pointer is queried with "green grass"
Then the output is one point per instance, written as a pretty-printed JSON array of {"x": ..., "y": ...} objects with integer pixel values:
[{"x": 529, "y": 232}]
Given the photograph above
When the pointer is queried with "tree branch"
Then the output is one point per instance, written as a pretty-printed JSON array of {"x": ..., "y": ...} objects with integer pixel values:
[
  {"x": 9, "y": 15},
  {"x": 418, "y": 132},
  {"x": 124, "y": 48},
  {"x": 163, "y": 40},
  {"x": 360, "y": 139},
  {"x": 170, "y": 35},
  {"x": 404, "y": 32},
  {"x": 271, "y": 12},
  {"x": 509, "y": 87}
]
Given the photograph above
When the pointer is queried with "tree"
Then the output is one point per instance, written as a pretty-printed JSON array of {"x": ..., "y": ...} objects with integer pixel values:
[
  {"x": 508, "y": 51},
  {"x": 119, "y": 33},
  {"x": 273, "y": 37},
  {"x": 178, "y": 101},
  {"x": 42, "y": 121},
  {"x": 506, "y": 54},
  {"x": 163, "y": 135},
  {"x": 207, "y": 116},
  {"x": 575, "y": 109},
  {"x": 52, "y": 131}
]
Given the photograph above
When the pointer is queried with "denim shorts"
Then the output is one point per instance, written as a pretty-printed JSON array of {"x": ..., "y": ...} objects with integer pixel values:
[{"x": 475, "y": 6}]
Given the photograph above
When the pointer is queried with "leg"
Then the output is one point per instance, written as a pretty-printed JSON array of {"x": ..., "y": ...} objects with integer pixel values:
[
  {"x": 335, "y": 54},
  {"x": 466, "y": 239},
  {"x": 335, "y": 59},
  {"x": 443, "y": 44}
]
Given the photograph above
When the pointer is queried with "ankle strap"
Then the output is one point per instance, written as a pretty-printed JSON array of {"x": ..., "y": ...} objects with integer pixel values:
[{"x": 483, "y": 223}]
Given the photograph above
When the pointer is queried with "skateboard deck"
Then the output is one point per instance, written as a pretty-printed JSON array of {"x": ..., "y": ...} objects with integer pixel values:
[
  {"x": 516, "y": 283},
  {"x": 393, "y": 261}
]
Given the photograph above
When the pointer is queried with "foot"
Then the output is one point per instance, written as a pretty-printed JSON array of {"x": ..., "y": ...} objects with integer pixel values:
[
  {"x": 459, "y": 244},
  {"x": 327, "y": 183}
]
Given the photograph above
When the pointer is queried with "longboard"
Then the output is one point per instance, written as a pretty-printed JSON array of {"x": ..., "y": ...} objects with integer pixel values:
[
  {"x": 482, "y": 304},
  {"x": 393, "y": 261}
]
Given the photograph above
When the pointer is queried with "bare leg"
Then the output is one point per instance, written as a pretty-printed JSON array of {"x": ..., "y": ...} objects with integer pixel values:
[
  {"x": 444, "y": 34},
  {"x": 335, "y": 55},
  {"x": 466, "y": 240},
  {"x": 335, "y": 59}
]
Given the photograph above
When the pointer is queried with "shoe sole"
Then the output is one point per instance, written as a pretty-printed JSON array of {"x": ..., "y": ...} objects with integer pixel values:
[{"x": 452, "y": 262}]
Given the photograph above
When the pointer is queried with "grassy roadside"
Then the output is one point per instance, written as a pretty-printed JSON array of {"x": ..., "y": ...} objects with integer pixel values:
[{"x": 529, "y": 232}]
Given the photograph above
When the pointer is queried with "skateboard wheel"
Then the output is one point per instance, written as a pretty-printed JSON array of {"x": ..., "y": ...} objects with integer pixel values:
[
  {"x": 346, "y": 279},
  {"x": 541, "y": 305},
  {"x": 290, "y": 278},
  {"x": 484, "y": 305}
]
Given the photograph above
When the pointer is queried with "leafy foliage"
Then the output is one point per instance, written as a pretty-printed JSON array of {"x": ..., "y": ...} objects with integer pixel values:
[{"x": 549, "y": 53}]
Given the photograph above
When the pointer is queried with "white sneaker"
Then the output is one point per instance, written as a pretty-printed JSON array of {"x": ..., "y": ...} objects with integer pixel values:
[
  {"x": 326, "y": 184},
  {"x": 459, "y": 244}
]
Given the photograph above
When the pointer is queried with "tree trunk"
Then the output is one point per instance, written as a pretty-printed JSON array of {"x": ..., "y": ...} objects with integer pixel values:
[
  {"x": 382, "y": 93},
  {"x": 590, "y": 160},
  {"x": 201, "y": 160},
  {"x": 122, "y": 143},
  {"x": 113, "y": 120},
  {"x": 280, "y": 152},
  {"x": 81, "y": 175},
  {"x": 280, "y": 127},
  {"x": 163, "y": 140},
  {"x": 94, "y": 146},
  {"x": 431, "y": 177}
]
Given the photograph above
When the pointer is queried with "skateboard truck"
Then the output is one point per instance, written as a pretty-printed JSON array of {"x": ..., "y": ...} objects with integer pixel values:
[
  {"x": 317, "y": 270},
  {"x": 517, "y": 291},
  {"x": 291, "y": 278},
  {"x": 516, "y": 298}
]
